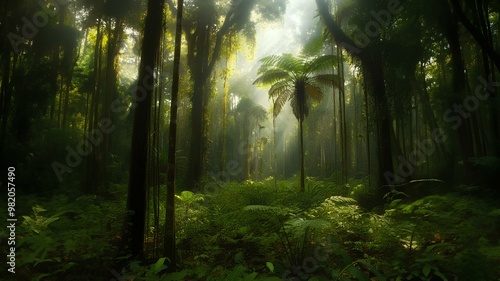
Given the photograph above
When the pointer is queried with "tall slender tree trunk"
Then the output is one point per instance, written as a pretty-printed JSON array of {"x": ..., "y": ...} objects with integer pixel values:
[
  {"x": 255, "y": 157},
  {"x": 478, "y": 36},
  {"x": 93, "y": 177},
  {"x": 367, "y": 131},
  {"x": 302, "y": 169},
  {"x": 224, "y": 113},
  {"x": 246, "y": 147},
  {"x": 371, "y": 60},
  {"x": 450, "y": 30},
  {"x": 5, "y": 97},
  {"x": 169, "y": 248},
  {"x": 275, "y": 168},
  {"x": 136, "y": 200},
  {"x": 196, "y": 156},
  {"x": 114, "y": 36}
]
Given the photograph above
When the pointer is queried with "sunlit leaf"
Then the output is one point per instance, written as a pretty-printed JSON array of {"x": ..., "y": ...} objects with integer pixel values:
[{"x": 270, "y": 265}]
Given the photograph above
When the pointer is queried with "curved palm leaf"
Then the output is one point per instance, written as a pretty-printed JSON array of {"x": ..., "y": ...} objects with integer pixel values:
[
  {"x": 258, "y": 113},
  {"x": 269, "y": 60},
  {"x": 300, "y": 110},
  {"x": 272, "y": 76},
  {"x": 286, "y": 62},
  {"x": 278, "y": 88},
  {"x": 283, "y": 72},
  {"x": 320, "y": 63},
  {"x": 314, "y": 46},
  {"x": 330, "y": 80},
  {"x": 314, "y": 92},
  {"x": 280, "y": 96}
]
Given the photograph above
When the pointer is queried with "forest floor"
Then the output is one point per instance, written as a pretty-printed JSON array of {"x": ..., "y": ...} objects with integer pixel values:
[{"x": 258, "y": 231}]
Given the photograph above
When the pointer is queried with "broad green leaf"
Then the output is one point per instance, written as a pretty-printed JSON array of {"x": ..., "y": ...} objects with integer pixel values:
[
  {"x": 159, "y": 265},
  {"x": 440, "y": 275},
  {"x": 358, "y": 274},
  {"x": 270, "y": 265},
  {"x": 374, "y": 270},
  {"x": 426, "y": 270}
]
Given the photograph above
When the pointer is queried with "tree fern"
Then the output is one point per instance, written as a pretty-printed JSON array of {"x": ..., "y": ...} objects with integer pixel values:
[{"x": 296, "y": 79}]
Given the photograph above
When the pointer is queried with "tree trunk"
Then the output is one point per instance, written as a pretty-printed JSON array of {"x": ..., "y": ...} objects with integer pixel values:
[
  {"x": 302, "y": 171},
  {"x": 198, "y": 141},
  {"x": 450, "y": 30},
  {"x": 169, "y": 248},
  {"x": 367, "y": 132},
  {"x": 114, "y": 36},
  {"x": 275, "y": 168},
  {"x": 136, "y": 200},
  {"x": 478, "y": 36},
  {"x": 5, "y": 97},
  {"x": 93, "y": 176},
  {"x": 371, "y": 60}
]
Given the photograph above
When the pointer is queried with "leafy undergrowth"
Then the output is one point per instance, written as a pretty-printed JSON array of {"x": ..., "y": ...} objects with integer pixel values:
[
  {"x": 65, "y": 238},
  {"x": 256, "y": 231}
]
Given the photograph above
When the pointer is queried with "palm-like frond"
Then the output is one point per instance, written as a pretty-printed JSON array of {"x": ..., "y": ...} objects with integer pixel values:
[
  {"x": 314, "y": 46},
  {"x": 314, "y": 92},
  {"x": 269, "y": 60},
  {"x": 272, "y": 76},
  {"x": 289, "y": 63},
  {"x": 285, "y": 72},
  {"x": 330, "y": 80},
  {"x": 286, "y": 62},
  {"x": 280, "y": 88},
  {"x": 299, "y": 105},
  {"x": 280, "y": 94},
  {"x": 301, "y": 225},
  {"x": 320, "y": 63},
  {"x": 258, "y": 113}
]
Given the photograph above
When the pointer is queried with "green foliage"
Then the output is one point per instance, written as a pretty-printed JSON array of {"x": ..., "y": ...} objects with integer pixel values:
[
  {"x": 446, "y": 235},
  {"x": 72, "y": 235},
  {"x": 254, "y": 231},
  {"x": 296, "y": 79},
  {"x": 38, "y": 223},
  {"x": 150, "y": 272}
]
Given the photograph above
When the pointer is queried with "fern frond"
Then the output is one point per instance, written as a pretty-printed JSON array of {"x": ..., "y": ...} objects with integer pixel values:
[
  {"x": 271, "y": 76},
  {"x": 320, "y": 63},
  {"x": 314, "y": 224},
  {"x": 341, "y": 200},
  {"x": 280, "y": 88},
  {"x": 330, "y": 80},
  {"x": 269, "y": 60},
  {"x": 300, "y": 111},
  {"x": 289, "y": 63},
  {"x": 281, "y": 96},
  {"x": 314, "y": 46},
  {"x": 314, "y": 92}
]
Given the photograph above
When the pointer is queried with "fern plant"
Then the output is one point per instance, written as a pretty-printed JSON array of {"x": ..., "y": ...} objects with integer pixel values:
[
  {"x": 38, "y": 223},
  {"x": 294, "y": 232}
]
